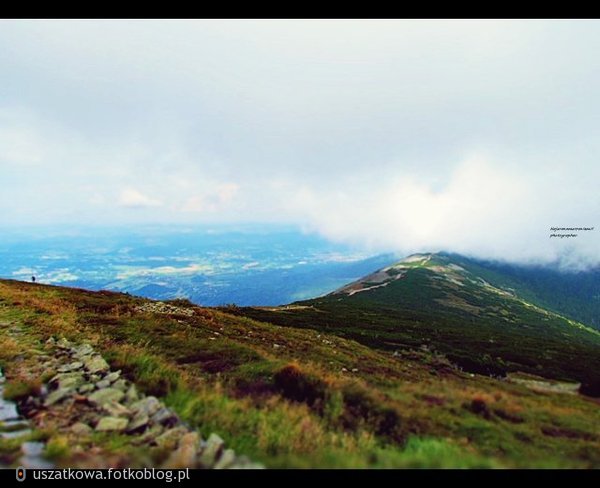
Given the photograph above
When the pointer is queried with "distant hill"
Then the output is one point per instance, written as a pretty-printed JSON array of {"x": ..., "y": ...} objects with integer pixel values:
[{"x": 455, "y": 306}]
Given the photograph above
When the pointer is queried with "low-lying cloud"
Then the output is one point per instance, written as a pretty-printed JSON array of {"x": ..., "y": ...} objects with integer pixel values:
[
  {"x": 485, "y": 208},
  {"x": 132, "y": 198}
]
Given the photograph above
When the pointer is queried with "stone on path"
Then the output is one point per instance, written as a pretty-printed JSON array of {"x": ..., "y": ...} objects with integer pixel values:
[
  {"x": 102, "y": 397},
  {"x": 103, "y": 384},
  {"x": 111, "y": 424},
  {"x": 165, "y": 417},
  {"x": 138, "y": 423},
  {"x": 169, "y": 438},
  {"x": 121, "y": 385},
  {"x": 148, "y": 405},
  {"x": 131, "y": 395},
  {"x": 57, "y": 396},
  {"x": 212, "y": 450},
  {"x": 150, "y": 435},
  {"x": 86, "y": 388},
  {"x": 95, "y": 364},
  {"x": 80, "y": 429},
  {"x": 120, "y": 408},
  {"x": 83, "y": 350},
  {"x": 185, "y": 455},
  {"x": 68, "y": 380},
  {"x": 74, "y": 366},
  {"x": 115, "y": 409},
  {"x": 227, "y": 459},
  {"x": 112, "y": 377}
]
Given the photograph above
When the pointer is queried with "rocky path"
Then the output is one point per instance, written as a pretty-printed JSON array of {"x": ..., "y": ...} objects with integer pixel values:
[
  {"x": 14, "y": 426},
  {"x": 86, "y": 398}
]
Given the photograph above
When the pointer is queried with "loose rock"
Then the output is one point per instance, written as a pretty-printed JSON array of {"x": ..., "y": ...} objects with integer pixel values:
[
  {"x": 57, "y": 396},
  {"x": 112, "y": 377},
  {"x": 148, "y": 405},
  {"x": 84, "y": 378},
  {"x": 131, "y": 395},
  {"x": 169, "y": 438},
  {"x": 212, "y": 450},
  {"x": 120, "y": 385},
  {"x": 165, "y": 417},
  {"x": 95, "y": 364},
  {"x": 80, "y": 429},
  {"x": 111, "y": 424},
  {"x": 70, "y": 367},
  {"x": 138, "y": 423},
  {"x": 185, "y": 455},
  {"x": 68, "y": 380},
  {"x": 83, "y": 350},
  {"x": 86, "y": 388},
  {"x": 227, "y": 459},
  {"x": 102, "y": 384},
  {"x": 115, "y": 409},
  {"x": 102, "y": 397}
]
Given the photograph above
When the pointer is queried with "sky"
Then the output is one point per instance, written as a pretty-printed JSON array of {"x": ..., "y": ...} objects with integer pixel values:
[{"x": 468, "y": 136}]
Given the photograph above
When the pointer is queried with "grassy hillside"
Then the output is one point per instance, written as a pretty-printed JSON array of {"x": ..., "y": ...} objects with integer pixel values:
[
  {"x": 431, "y": 301},
  {"x": 574, "y": 294},
  {"x": 300, "y": 397}
]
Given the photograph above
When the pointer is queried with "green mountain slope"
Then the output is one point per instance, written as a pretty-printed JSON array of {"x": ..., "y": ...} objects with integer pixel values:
[
  {"x": 575, "y": 294},
  {"x": 284, "y": 396},
  {"x": 432, "y": 301}
]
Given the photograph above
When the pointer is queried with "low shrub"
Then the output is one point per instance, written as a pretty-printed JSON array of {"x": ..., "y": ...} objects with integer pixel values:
[
  {"x": 295, "y": 384},
  {"x": 590, "y": 388}
]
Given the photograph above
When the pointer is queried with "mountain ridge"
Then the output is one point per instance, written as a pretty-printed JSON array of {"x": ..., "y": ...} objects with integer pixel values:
[
  {"x": 434, "y": 300},
  {"x": 383, "y": 276},
  {"x": 572, "y": 292}
]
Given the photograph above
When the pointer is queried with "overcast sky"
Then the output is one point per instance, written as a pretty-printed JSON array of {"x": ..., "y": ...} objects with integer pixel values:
[{"x": 468, "y": 136}]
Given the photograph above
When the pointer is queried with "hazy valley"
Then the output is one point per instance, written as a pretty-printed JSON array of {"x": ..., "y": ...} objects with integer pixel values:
[{"x": 430, "y": 361}]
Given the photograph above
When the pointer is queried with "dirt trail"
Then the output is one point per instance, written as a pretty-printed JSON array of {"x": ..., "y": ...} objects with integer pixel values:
[{"x": 543, "y": 386}]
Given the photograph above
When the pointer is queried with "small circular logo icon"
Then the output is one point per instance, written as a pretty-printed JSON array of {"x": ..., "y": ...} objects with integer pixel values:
[{"x": 20, "y": 473}]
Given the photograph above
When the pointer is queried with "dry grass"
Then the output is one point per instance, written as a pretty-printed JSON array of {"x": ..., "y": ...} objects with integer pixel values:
[{"x": 315, "y": 399}]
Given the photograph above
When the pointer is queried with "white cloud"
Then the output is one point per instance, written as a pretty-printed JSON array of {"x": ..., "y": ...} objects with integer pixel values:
[
  {"x": 485, "y": 208},
  {"x": 213, "y": 201},
  {"x": 132, "y": 198},
  {"x": 227, "y": 191},
  {"x": 472, "y": 136}
]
